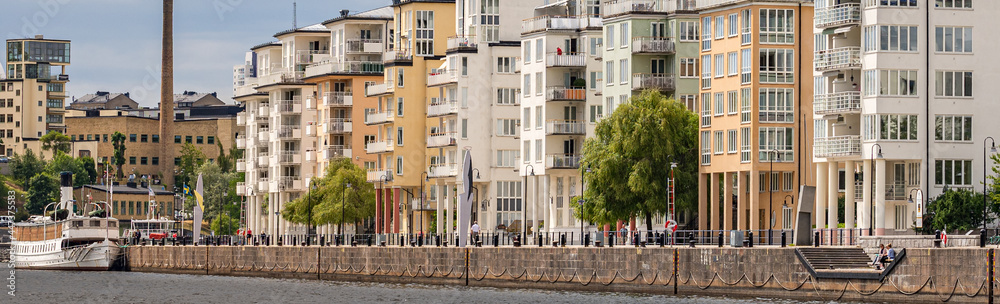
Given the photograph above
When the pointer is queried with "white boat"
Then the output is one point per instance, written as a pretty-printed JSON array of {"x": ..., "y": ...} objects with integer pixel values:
[{"x": 75, "y": 243}]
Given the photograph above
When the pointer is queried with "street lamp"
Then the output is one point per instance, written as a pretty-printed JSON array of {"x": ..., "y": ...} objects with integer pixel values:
[
  {"x": 871, "y": 198},
  {"x": 770, "y": 195},
  {"x": 524, "y": 203},
  {"x": 992, "y": 149}
]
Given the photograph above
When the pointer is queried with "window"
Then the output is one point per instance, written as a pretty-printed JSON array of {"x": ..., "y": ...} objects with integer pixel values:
[
  {"x": 949, "y": 39},
  {"x": 399, "y": 165},
  {"x": 538, "y": 150},
  {"x": 745, "y": 152},
  {"x": 720, "y": 29},
  {"x": 505, "y": 65},
  {"x": 777, "y": 26},
  {"x": 465, "y": 128},
  {"x": 142, "y": 138},
  {"x": 890, "y": 127},
  {"x": 689, "y": 102},
  {"x": 399, "y": 106},
  {"x": 745, "y": 26},
  {"x": 688, "y": 31},
  {"x": 901, "y": 217},
  {"x": 527, "y": 118},
  {"x": 706, "y": 152},
  {"x": 538, "y": 117},
  {"x": 731, "y": 101},
  {"x": 538, "y": 49},
  {"x": 718, "y": 142},
  {"x": 953, "y": 128},
  {"x": 890, "y": 83},
  {"x": 720, "y": 104},
  {"x": 465, "y": 66},
  {"x": 526, "y": 46},
  {"x": 733, "y": 26},
  {"x": 775, "y": 138},
  {"x": 187, "y": 139},
  {"x": 787, "y": 181},
  {"x": 424, "y": 36},
  {"x": 506, "y": 158},
  {"x": 609, "y": 69},
  {"x": 539, "y": 89},
  {"x": 720, "y": 65},
  {"x": 143, "y": 160},
  {"x": 131, "y": 137},
  {"x": 953, "y": 83},
  {"x": 508, "y": 96},
  {"x": 508, "y": 202},
  {"x": 156, "y": 161},
  {"x": 901, "y": 3},
  {"x": 399, "y": 77},
  {"x": 610, "y": 33},
  {"x": 399, "y": 136},
  {"x": 734, "y": 63},
  {"x": 731, "y": 141},
  {"x": 706, "y": 71},
  {"x": 894, "y": 38},
  {"x": 623, "y": 70},
  {"x": 156, "y": 138},
  {"x": 131, "y": 160},
  {"x": 776, "y": 105},
  {"x": 200, "y": 140},
  {"x": 595, "y": 77},
  {"x": 775, "y": 181},
  {"x": 595, "y": 43},
  {"x": 953, "y": 3},
  {"x": 787, "y": 219},
  {"x": 745, "y": 63},
  {"x": 210, "y": 141},
  {"x": 527, "y": 151},
  {"x": 706, "y": 109},
  {"x": 777, "y": 66},
  {"x": 527, "y": 85},
  {"x": 624, "y": 36},
  {"x": 689, "y": 67},
  {"x": 596, "y": 113},
  {"x": 706, "y": 36},
  {"x": 948, "y": 172}
]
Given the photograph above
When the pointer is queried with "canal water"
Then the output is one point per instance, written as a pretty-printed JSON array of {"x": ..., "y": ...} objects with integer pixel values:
[{"x": 35, "y": 286}]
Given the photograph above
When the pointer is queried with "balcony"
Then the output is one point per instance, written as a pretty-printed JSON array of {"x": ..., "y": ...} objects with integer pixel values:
[
  {"x": 310, "y": 129},
  {"x": 562, "y": 161},
  {"x": 290, "y": 183},
  {"x": 310, "y": 156},
  {"x": 837, "y": 103},
  {"x": 241, "y": 165},
  {"x": 287, "y": 157},
  {"x": 263, "y": 160},
  {"x": 310, "y": 56},
  {"x": 895, "y": 192},
  {"x": 263, "y": 110},
  {"x": 376, "y": 176},
  {"x": 310, "y": 103},
  {"x": 363, "y": 46},
  {"x": 263, "y": 185},
  {"x": 241, "y": 188},
  {"x": 565, "y": 127},
  {"x": 442, "y": 109},
  {"x": 565, "y": 60},
  {"x": 462, "y": 43},
  {"x": 399, "y": 56},
  {"x": 380, "y": 89},
  {"x": 345, "y": 67},
  {"x": 241, "y": 119},
  {"x": 379, "y": 118},
  {"x": 260, "y": 119},
  {"x": 281, "y": 75},
  {"x": 624, "y": 7},
  {"x": 838, "y": 59},
  {"x": 337, "y": 126},
  {"x": 263, "y": 135},
  {"x": 338, "y": 99},
  {"x": 241, "y": 141},
  {"x": 59, "y": 94},
  {"x": 652, "y": 45},
  {"x": 442, "y": 77},
  {"x": 380, "y": 146},
  {"x": 246, "y": 89},
  {"x": 441, "y": 140},
  {"x": 555, "y": 22},
  {"x": 290, "y": 106},
  {"x": 660, "y": 82},
  {"x": 565, "y": 94},
  {"x": 837, "y": 146},
  {"x": 442, "y": 170},
  {"x": 838, "y": 15},
  {"x": 289, "y": 132},
  {"x": 335, "y": 151}
]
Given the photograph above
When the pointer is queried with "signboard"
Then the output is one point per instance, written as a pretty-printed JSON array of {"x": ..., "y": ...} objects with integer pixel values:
[{"x": 920, "y": 209}]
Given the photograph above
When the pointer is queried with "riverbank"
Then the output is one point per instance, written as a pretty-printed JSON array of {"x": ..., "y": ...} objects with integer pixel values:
[{"x": 925, "y": 275}]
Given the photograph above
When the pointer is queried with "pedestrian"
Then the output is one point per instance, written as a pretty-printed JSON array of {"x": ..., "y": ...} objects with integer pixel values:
[
  {"x": 891, "y": 252},
  {"x": 623, "y": 235},
  {"x": 475, "y": 231},
  {"x": 558, "y": 51}
]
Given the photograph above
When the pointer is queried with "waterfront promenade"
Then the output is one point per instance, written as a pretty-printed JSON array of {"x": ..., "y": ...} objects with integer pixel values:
[{"x": 925, "y": 275}]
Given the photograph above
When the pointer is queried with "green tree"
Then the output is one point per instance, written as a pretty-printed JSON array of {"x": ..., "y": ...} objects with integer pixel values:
[
  {"x": 118, "y": 141},
  {"x": 630, "y": 159},
  {"x": 994, "y": 180},
  {"x": 332, "y": 197},
  {"x": 226, "y": 162},
  {"x": 225, "y": 225},
  {"x": 89, "y": 165},
  {"x": 42, "y": 190},
  {"x": 81, "y": 174},
  {"x": 55, "y": 142},
  {"x": 956, "y": 209},
  {"x": 25, "y": 166},
  {"x": 191, "y": 158},
  {"x": 218, "y": 193}
]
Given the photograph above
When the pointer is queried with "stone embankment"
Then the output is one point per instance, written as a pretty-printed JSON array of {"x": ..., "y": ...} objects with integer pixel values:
[{"x": 924, "y": 275}]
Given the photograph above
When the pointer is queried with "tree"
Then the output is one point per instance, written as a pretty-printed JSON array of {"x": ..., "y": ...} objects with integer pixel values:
[
  {"x": 118, "y": 141},
  {"x": 225, "y": 162},
  {"x": 42, "y": 190},
  {"x": 89, "y": 165},
  {"x": 25, "y": 166},
  {"x": 83, "y": 173},
  {"x": 55, "y": 142},
  {"x": 191, "y": 158},
  {"x": 332, "y": 197},
  {"x": 957, "y": 209},
  {"x": 994, "y": 180},
  {"x": 225, "y": 225},
  {"x": 630, "y": 157},
  {"x": 217, "y": 190}
]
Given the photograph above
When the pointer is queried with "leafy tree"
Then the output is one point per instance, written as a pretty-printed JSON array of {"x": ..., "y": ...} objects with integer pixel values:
[
  {"x": 42, "y": 190},
  {"x": 55, "y": 142},
  {"x": 191, "y": 158},
  {"x": 217, "y": 190},
  {"x": 118, "y": 141},
  {"x": 630, "y": 156},
  {"x": 332, "y": 196},
  {"x": 956, "y": 209},
  {"x": 89, "y": 165},
  {"x": 25, "y": 166},
  {"x": 994, "y": 179},
  {"x": 63, "y": 162},
  {"x": 225, "y": 225},
  {"x": 225, "y": 162}
]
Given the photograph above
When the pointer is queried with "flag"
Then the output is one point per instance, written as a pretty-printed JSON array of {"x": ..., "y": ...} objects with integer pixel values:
[
  {"x": 465, "y": 202},
  {"x": 151, "y": 191},
  {"x": 187, "y": 191},
  {"x": 198, "y": 209}
]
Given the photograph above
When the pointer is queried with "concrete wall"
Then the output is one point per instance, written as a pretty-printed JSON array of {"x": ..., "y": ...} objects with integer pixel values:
[{"x": 927, "y": 275}]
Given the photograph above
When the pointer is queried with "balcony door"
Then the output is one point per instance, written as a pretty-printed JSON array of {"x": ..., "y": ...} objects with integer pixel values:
[
  {"x": 570, "y": 46},
  {"x": 569, "y": 147},
  {"x": 658, "y": 66},
  {"x": 569, "y": 113}
]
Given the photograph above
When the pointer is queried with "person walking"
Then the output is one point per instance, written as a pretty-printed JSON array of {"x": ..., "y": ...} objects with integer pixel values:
[{"x": 475, "y": 232}]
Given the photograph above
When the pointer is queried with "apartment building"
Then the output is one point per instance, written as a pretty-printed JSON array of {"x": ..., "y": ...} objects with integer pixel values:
[
  {"x": 755, "y": 94},
  {"x": 33, "y": 94},
  {"x": 899, "y": 106},
  {"x": 560, "y": 51}
]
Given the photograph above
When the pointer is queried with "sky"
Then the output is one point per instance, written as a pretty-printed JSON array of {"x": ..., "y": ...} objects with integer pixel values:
[{"x": 116, "y": 43}]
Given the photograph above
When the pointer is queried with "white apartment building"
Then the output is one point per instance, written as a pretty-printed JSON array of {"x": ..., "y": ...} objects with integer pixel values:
[
  {"x": 245, "y": 71},
  {"x": 557, "y": 49},
  {"x": 910, "y": 79}
]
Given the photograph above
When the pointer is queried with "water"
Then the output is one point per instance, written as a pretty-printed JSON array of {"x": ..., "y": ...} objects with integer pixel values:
[{"x": 36, "y": 286}]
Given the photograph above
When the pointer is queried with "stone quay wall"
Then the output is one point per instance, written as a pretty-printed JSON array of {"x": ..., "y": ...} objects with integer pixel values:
[{"x": 955, "y": 275}]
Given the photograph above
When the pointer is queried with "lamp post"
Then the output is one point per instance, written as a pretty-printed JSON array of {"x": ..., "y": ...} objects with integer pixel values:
[
  {"x": 524, "y": 203},
  {"x": 992, "y": 149},
  {"x": 476, "y": 192},
  {"x": 424, "y": 177},
  {"x": 871, "y": 199},
  {"x": 770, "y": 195}
]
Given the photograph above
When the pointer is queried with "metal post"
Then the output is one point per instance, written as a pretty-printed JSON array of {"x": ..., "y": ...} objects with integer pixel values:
[
  {"x": 871, "y": 198},
  {"x": 982, "y": 233},
  {"x": 770, "y": 196}
]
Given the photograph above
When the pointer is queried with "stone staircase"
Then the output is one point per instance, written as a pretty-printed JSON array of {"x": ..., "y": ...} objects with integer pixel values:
[{"x": 843, "y": 263}]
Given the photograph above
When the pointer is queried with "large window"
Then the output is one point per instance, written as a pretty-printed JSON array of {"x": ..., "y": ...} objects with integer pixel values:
[
  {"x": 734, "y": 63},
  {"x": 776, "y": 105},
  {"x": 949, "y": 39},
  {"x": 689, "y": 67},
  {"x": 507, "y": 158},
  {"x": 720, "y": 65},
  {"x": 706, "y": 71},
  {"x": 688, "y": 31},
  {"x": 776, "y": 139},
  {"x": 505, "y": 65},
  {"x": 507, "y": 127},
  {"x": 953, "y": 83},
  {"x": 777, "y": 65},
  {"x": 706, "y": 151},
  {"x": 733, "y": 26},
  {"x": 953, "y": 128},
  {"x": 745, "y": 63},
  {"x": 948, "y": 172},
  {"x": 720, "y": 104},
  {"x": 745, "y": 109},
  {"x": 890, "y": 83},
  {"x": 508, "y": 96},
  {"x": 609, "y": 69},
  {"x": 745, "y": 27},
  {"x": 731, "y": 139},
  {"x": 424, "y": 38},
  {"x": 720, "y": 28},
  {"x": 890, "y": 127},
  {"x": 953, "y": 3},
  {"x": 508, "y": 202},
  {"x": 719, "y": 140},
  {"x": 706, "y": 34},
  {"x": 896, "y": 38},
  {"x": 777, "y": 26},
  {"x": 731, "y": 103},
  {"x": 706, "y": 109}
]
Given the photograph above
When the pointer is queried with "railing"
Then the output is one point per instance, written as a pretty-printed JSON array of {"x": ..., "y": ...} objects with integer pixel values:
[
  {"x": 363, "y": 46},
  {"x": 263, "y": 134},
  {"x": 290, "y": 106},
  {"x": 837, "y": 146},
  {"x": 380, "y": 146},
  {"x": 840, "y": 102},
  {"x": 338, "y": 126},
  {"x": 381, "y": 88},
  {"x": 895, "y": 192},
  {"x": 290, "y": 183},
  {"x": 379, "y": 118},
  {"x": 839, "y": 236},
  {"x": 241, "y": 188},
  {"x": 345, "y": 67},
  {"x": 564, "y": 93},
  {"x": 565, "y": 127},
  {"x": 336, "y": 151},
  {"x": 58, "y": 94},
  {"x": 837, "y": 15},
  {"x": 263, "y": 110},
  {"x": 562, "y": 161},
  {"x": 54, "y": 120},
  {"x": 442, "y": 170},
  {"x": 461, "y": 42},
  {"x": 288, "y": 156},
  {"x": 397, "y": 55},
  {"x": 375, "y": 176},
  {"x": 441, "y": 140},
  {"x": 653, "y": 45},
  {"x": 338, "y": 99},
  {"x": 662, "y": 82},
  {"x": 263, "y": 159},
  {"x": 289, "y": 132},
  {"x": 263, "y": 184},
  {"x": 441, "y": 77},
  {"x": 891, "y": 4},
  {"x": 565, "y": 60},
  {"x": 241, "y": 165},
  {"x": 241, "y": 141},
  {"x": 622, "y": 7},
  {"x": 308, "y": 56},
  {"x": 442, "y": 109},
  {"x": 241, "y": 119},
  {"x": 247, "y": 88},
  {"x": 838, "y": 58},
  {"x": 557, "y": 22},
  {"x": 281, "y": 75}
]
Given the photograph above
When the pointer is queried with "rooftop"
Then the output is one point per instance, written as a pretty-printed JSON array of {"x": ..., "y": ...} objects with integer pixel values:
[
  {"x": 124, "y": 189},
  {"x": 378, "y": 13}
]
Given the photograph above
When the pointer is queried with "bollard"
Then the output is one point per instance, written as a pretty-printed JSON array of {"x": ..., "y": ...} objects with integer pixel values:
[
  {"x": 720, "y": 239},
  {"x": 750, "y": 244},
  {"x": 816, "y": 239},
  {"x": 782, "y": 239},
  {"x": 937, "y": 238},
  {"x": 597, "y": 244},
  {"x": 539, "y": 240},
  {"x": 691, "y": 240},
  {"x": 982, "y": 238},
  {"x": 611, "y": 239},
  {"x": 586, "y": 240},
  {"x": 562, "y": 240},
  {"x": 437, "y": 240}
]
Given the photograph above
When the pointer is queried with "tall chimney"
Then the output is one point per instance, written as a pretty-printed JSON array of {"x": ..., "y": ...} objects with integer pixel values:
[{"x": 167, "y": 95}]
